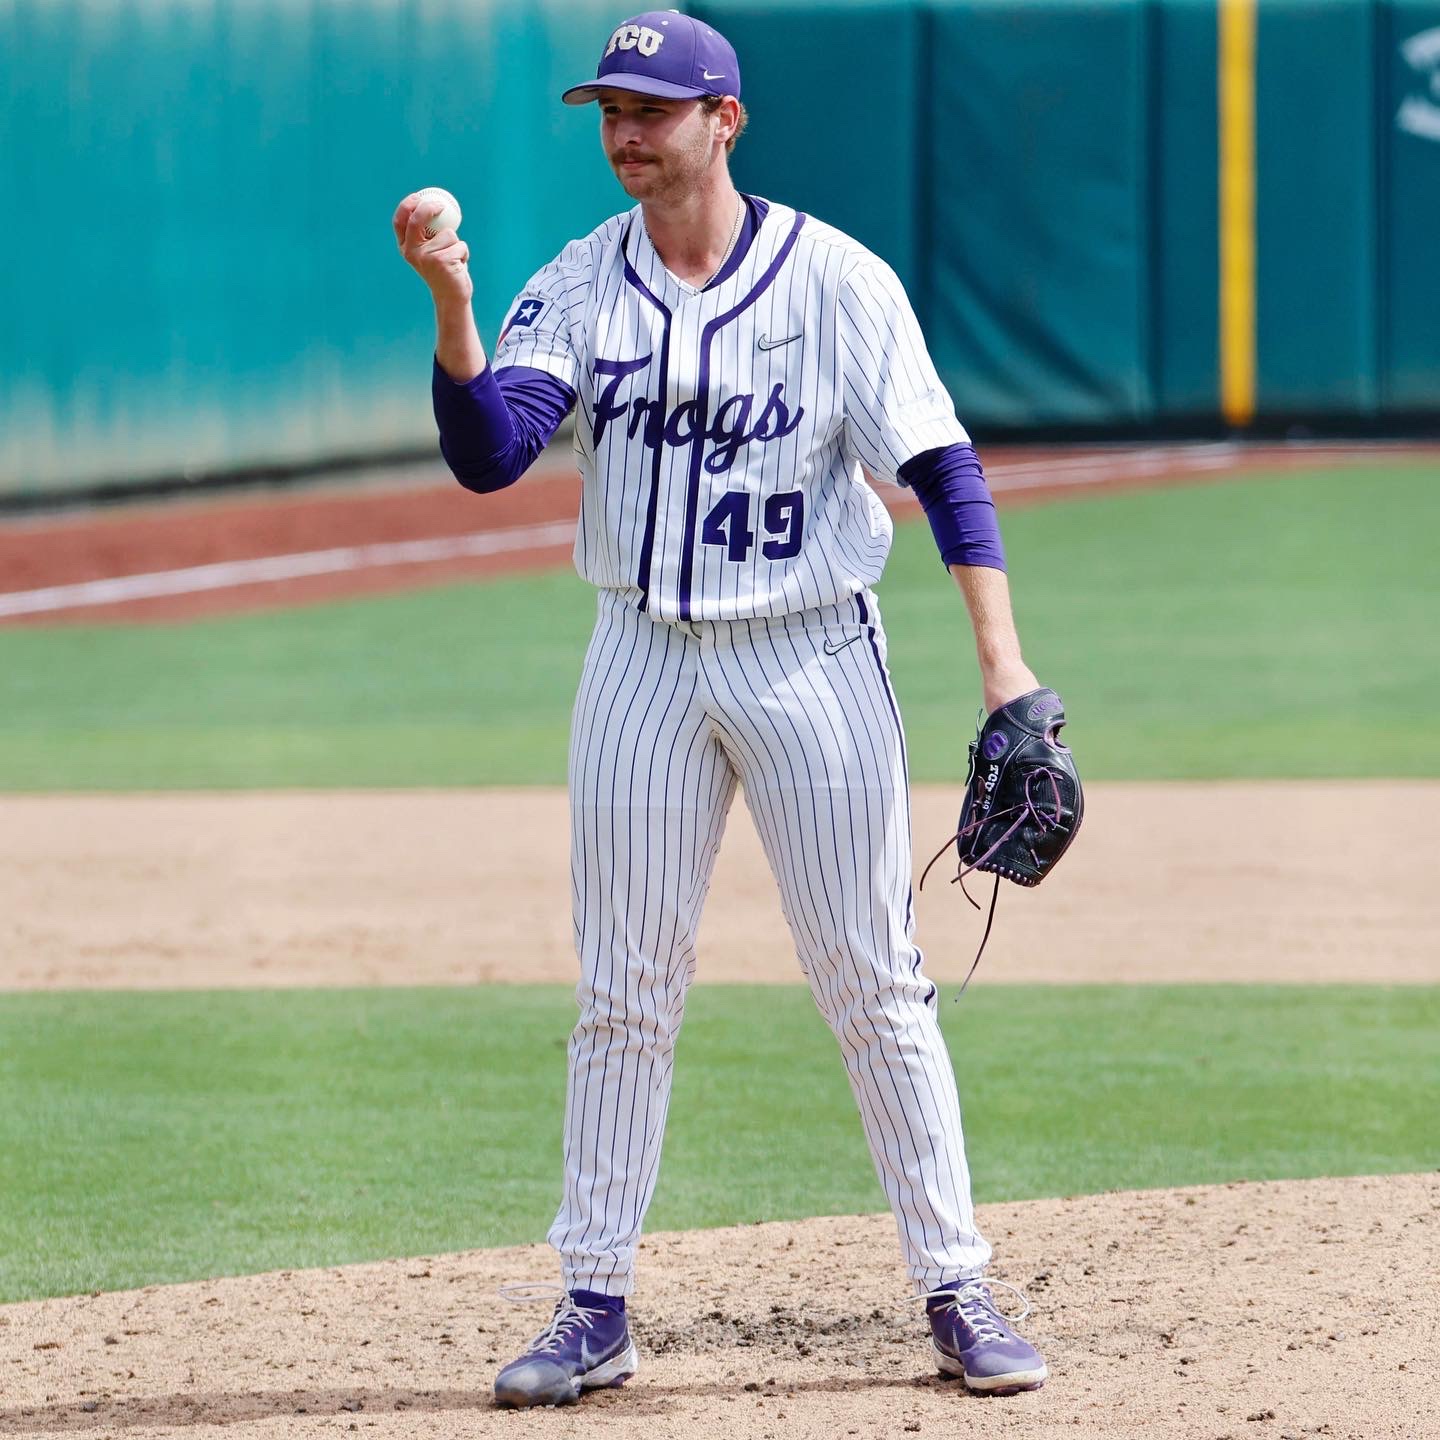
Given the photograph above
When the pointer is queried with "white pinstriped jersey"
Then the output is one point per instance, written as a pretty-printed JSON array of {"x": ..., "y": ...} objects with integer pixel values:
[{"x": 721, "y": 432}]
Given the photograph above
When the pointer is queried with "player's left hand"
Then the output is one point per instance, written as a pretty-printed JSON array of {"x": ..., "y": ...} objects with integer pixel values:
[{"x": 1023, "y": 800}]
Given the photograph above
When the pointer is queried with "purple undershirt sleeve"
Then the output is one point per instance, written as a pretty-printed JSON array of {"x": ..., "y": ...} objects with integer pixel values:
[
  {"x": 493, "y": 427},
  {"x": 950, "y": 485}
]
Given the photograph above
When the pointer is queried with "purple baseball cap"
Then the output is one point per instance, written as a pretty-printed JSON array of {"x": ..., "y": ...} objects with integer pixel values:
[{"x": 664, "y": 53}]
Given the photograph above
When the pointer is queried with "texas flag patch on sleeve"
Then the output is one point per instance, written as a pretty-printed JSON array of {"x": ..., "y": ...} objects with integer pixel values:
[{"x": 527, "y": 312}]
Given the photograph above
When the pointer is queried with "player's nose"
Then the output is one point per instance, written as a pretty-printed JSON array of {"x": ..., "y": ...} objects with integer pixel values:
[{"x": 628, "y": 130}]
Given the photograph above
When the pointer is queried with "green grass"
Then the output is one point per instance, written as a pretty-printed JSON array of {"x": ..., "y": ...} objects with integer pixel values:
[
  {"x": 1271, "y": 628},
  {"x": 462, "y": 684},
  {"x": 152, "y": 1137},
  {"x": 1263, "y": 627}
]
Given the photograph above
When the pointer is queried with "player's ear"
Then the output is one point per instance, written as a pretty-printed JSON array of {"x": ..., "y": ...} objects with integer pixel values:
[{"x": 727, "y": 117}]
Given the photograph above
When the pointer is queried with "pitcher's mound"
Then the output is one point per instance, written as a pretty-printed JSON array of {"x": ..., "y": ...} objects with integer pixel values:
[{"x": 1249, "y": 1311}]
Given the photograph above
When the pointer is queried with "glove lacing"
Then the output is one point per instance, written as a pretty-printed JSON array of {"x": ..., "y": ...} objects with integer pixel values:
[{"x": 1026, "y": 810}]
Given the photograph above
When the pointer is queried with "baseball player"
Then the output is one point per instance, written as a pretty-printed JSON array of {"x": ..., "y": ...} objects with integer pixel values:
[{"x": 732, "y": 365}]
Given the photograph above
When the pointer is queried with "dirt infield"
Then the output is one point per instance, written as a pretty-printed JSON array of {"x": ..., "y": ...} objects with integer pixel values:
[
  {"x": 458, "y": 887},
  {"x": 417, "y": 527},
  {"x": 1238, "y": 1312}
]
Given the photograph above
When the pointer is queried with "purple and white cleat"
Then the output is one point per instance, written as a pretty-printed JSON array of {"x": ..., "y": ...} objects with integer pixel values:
[
  {"x": 972, "y": 1339},
  {"x": 586, "y": 1346}
]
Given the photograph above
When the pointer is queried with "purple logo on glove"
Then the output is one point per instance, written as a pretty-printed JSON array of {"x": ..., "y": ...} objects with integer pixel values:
[
  {"x": 1046, "y": 705},
  {"x": 995, "y": 746}
]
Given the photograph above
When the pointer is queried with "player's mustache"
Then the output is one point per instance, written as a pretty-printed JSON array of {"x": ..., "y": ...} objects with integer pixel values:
[{"x": 616, "y": 156}]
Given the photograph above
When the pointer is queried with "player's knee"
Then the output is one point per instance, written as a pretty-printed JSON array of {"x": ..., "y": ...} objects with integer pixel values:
[
  {"x": 885, "y": 1007},
  {"x": 626, "y": 1022}
]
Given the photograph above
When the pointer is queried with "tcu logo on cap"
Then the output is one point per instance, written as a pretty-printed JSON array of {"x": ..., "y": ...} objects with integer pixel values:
[{"x": 635, "y": 37}]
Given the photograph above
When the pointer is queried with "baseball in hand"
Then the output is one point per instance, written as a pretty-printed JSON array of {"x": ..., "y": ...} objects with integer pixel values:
[{"x": 448, "y": 218}]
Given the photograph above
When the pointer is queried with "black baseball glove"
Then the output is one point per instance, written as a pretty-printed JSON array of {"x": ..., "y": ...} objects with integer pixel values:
[{"x": 1023, "y": 801}]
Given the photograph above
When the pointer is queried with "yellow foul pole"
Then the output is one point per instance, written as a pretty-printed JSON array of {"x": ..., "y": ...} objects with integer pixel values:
[{"x": 1237, "y": 209}]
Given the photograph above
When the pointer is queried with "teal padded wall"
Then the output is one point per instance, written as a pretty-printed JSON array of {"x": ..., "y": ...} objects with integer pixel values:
[
  {"x": 1184, "y": 240},
  {"x": 1409, "y": 121},
  {"x": 199, "y": 272},
  {"x": 1316, "y": 208},
  {"x": 1037, "y": 136},
  {"x": 1061, "y": 200},
  {"x": 207, "y": 276}
]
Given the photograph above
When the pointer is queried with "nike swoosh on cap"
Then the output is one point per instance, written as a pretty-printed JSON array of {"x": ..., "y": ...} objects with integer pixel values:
[{"x": 706, "y": 75}]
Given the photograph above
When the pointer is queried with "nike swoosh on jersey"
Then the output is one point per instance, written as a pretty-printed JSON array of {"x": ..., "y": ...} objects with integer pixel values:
[
  {"x": 766, "y": 343},
  {"x": 836, "y": 649}
]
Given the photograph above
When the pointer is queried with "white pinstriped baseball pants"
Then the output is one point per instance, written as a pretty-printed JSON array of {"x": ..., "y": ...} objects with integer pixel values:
[{"x": 668, "y": 718}]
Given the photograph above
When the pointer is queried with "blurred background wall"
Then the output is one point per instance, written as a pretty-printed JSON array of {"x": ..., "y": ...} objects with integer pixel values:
[{"x": 200, "y": 276}]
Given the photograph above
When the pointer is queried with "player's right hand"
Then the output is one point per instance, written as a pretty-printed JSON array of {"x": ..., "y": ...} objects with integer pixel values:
[{"x": 443, "y": 262}]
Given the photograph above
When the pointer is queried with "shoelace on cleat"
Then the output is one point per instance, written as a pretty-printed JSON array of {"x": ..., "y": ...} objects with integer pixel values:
[
  {"x": 569, "y": 1317},
  {"x": 972, "y": 1300}
]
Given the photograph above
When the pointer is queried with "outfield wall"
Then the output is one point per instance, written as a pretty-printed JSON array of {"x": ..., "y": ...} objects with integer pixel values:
[
  {"x": 201, "y": 274},
  {"x": 1046, "y": 175}
]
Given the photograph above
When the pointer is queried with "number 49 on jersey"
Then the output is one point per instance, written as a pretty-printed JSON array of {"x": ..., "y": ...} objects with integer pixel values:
[{"x": 729, "y": 521}]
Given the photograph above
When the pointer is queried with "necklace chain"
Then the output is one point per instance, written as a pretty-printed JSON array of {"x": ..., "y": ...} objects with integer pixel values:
[
  {"x": 729, "y": 248},
  {"x": 734, "y": 236}
]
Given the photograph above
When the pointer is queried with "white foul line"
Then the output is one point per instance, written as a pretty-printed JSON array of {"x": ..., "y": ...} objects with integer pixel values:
[
  {"x": 1094, "y": 469},
  {"x": 227, "y": 574}
]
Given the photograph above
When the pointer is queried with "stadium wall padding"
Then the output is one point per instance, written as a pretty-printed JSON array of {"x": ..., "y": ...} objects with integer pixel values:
[
  {"x": 1039, "y": 288},
  {"x": 1407, "y": 56},
  {"x": 1317, "y": 208},
  {"x": 199, "y": 272},
  {"x": 204, "y": 275}
]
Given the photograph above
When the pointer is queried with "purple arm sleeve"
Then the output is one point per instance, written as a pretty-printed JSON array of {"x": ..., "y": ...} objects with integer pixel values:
[
  {"x": 951, "y": 486},
  {"x": 493, "y": 427}
]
